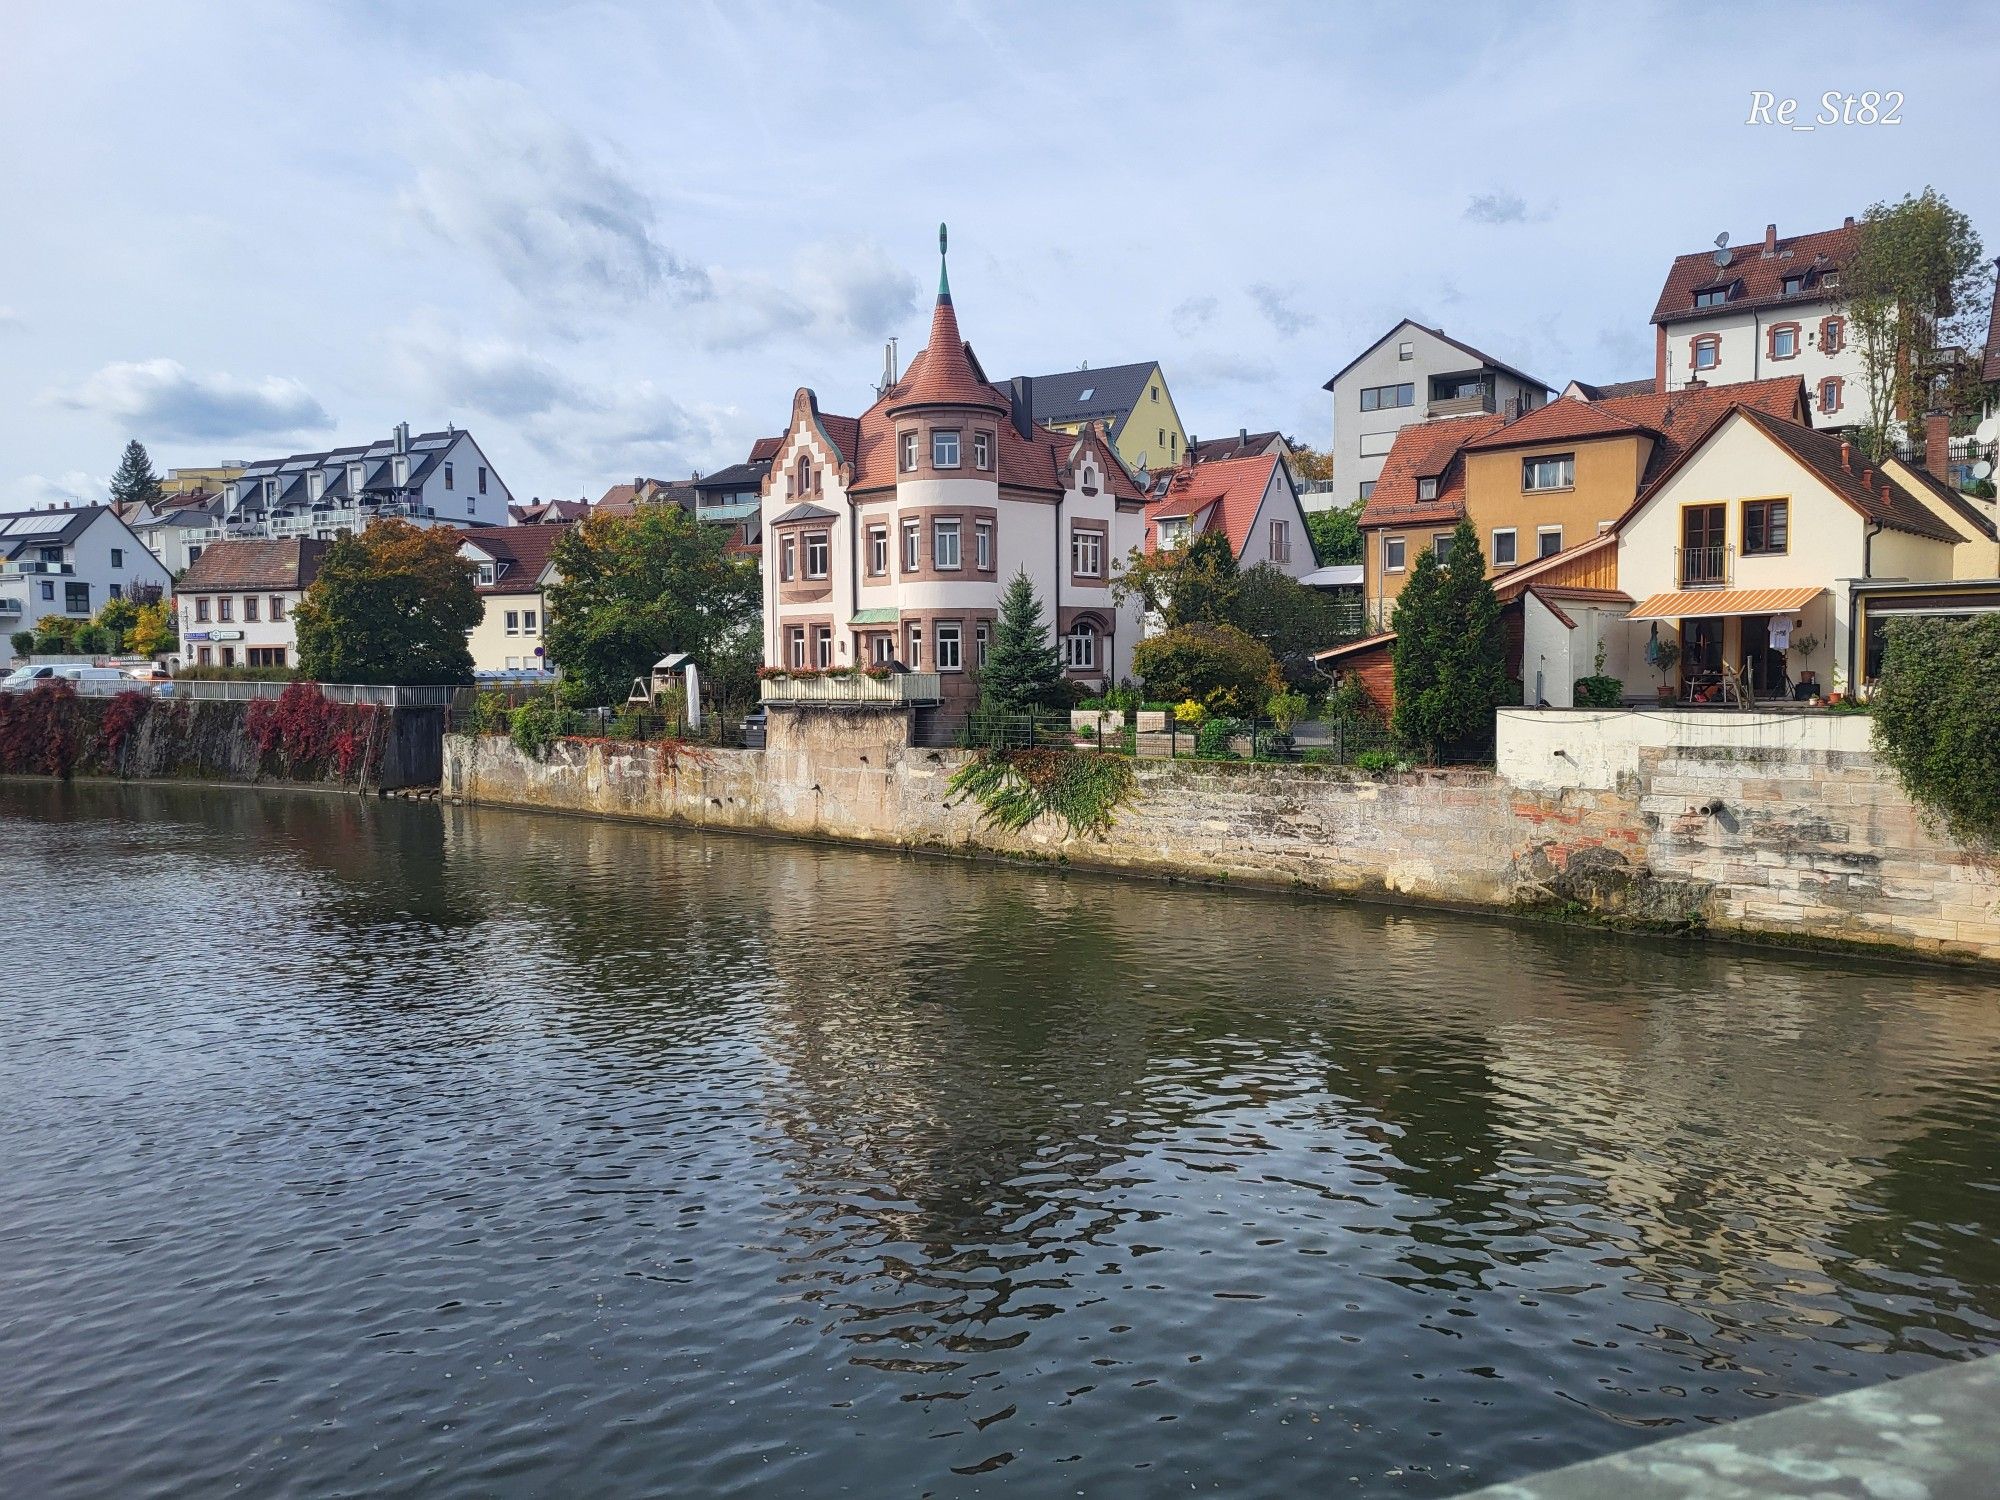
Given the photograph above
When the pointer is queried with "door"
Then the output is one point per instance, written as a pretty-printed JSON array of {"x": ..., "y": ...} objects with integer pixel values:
[
  {"x": 1704, "y": 539},
  {"x": 1763, "y": 663}
]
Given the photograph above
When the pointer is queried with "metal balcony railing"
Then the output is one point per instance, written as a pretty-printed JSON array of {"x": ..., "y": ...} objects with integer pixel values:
[{"x": 1703, "y": 567}]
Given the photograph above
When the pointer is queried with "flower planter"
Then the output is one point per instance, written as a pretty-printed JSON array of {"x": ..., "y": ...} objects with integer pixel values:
[
  {"x": 1151, "y": 720},
  {"x": 1090, "y": 720}
]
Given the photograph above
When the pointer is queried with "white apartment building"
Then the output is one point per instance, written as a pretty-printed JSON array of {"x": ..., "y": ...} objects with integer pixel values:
[
  {"x": 891, "y": 537},
  {"x": 1753, "y": 312},
  {"x": 432, "y": 479},
  {"x": 68, "y": 562}
]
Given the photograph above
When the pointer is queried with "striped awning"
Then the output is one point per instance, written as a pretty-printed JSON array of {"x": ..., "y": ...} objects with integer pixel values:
[{"x": 1708, "y": 604}]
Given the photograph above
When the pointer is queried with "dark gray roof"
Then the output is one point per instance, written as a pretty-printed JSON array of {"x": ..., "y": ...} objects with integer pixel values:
[
  {"x": 1107, "y": 394},
  {"x": 1480, "y": 355},
  {"x": 804, "y": 511},
  {"x": 23, "y": 529},
  {"x": 735, "y": 477}
]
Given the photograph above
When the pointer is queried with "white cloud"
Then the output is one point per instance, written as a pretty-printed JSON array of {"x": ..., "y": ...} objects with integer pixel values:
[
  {"x": 503, "y": 180},
  {"x": 489, "y": 375},
  {"x": 1503, "y": 207},
  {"x": 163, "y": 399},
  {"x": 833, "y": 294}
]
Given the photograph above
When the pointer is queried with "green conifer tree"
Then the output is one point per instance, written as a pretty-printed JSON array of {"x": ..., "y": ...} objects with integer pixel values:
[
  {"x": 135, "y": 480},
  {"x": 1451, "y": 654},
  {"x": 1023, "y": 672}
]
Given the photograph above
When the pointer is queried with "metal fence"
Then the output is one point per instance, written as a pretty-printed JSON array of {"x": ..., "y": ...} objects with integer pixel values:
[
  {"x": 206, "y": 691},
  {"x": 1335, "y": 741}
]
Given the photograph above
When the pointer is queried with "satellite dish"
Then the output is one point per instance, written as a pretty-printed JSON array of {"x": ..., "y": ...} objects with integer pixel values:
[
  {"x": 1722, "y": 260},
  {"x": 1988, "y": 431},
  {"x": 1982, "y": 469},
  {"x": 1722, "y": 239}
]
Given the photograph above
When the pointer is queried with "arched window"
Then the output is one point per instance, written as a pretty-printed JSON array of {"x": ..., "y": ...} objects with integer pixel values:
[
  {"x": 804, "y": 475},
  {"x": 1080, "y": 646}
]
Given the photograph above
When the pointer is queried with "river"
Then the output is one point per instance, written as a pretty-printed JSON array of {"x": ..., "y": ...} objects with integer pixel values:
[{"x": 386, "y": 1149}]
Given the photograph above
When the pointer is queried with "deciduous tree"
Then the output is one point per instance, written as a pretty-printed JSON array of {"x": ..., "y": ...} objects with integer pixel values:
[
  {"x": 389, "y": 605},
  {"x": 1192, "y": 584},
  {"x": 1934, "y": 720},
  {"x": 1224, "y": 669},
  {"x": 633, "y": 588},
  {"x": 1336, "y": 535}
]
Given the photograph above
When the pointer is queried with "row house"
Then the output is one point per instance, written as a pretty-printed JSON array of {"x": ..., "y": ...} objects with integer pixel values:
[
  {"x": 1731, "y": 316},
  {"x": 236, "y": 601},
  {"x": 69, "y": 561},
  {"x": 512, "y": 567},
  {"x": 890, "y": 537},
  {"x": 432, "y": 479}
]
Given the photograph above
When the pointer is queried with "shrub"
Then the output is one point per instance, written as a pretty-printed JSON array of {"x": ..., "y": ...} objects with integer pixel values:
[
  {"x": 94, "y": 640},
  {"x": 122, "y": 715},
  {"x": 1219, "y": 666},
  {"x": 1212, "y": 740},
  {"x": 23, "y": 642},
  {"x": 1378, "y": 761},
  {"x": 1189, "y": 714},
  {"x": 1599, "y": 692},
  {"x": 491, "y": 714},
  {"x": 1287, "y": 710},
  {"x": 308, "y": 732},
  {"x": 39, "y": 730},
  {"x": 540, "y": 722},
  {"x": 1015, "y": 787},
  {"x": 1934, "y": 720}
]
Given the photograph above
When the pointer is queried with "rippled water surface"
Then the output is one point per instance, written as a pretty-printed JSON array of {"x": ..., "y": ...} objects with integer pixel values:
[{"x": 366, "y": 1149}]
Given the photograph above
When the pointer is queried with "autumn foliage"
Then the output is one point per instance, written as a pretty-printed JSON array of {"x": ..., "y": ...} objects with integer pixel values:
[{"x": 306, "y": 731}]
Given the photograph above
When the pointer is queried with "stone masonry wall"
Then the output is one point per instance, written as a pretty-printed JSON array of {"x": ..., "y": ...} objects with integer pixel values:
[{"x": 1819, "y": 846}]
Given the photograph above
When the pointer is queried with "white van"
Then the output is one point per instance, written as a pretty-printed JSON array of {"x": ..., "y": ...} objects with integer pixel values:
[{"x": 27, "y": 679}]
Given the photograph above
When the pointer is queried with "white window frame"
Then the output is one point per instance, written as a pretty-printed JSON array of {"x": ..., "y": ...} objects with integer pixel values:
[
  {"x": 822, "y": 639},
  {"x": 947, "y": 544},
  {"x": 878, "y": 551},
  {"x": 1401, "y": 554},
  {"x": 822, "y": 543},
  {"x": 788, "y": 559},
  {"x": 913, "y": 546},
  {"x": 1441, "y": 545},
  {"x": 949, "y": 647},
  {"x": 945, "y": 441},
  {"x": 1542, "y": 535},
  {"x": 795, "y": 646},
  {"x": 511, "y": 621},
  {"x": 1080, "y": 647},
  {"x": 982, "y": 450},
  {"x": 981, "y": 638},
  {"x": 906, "y": 448},
  {"x": 447, "y": 477},
  {"x": 982, "y": 546},
  {"x": 1513, "y": 546},
  {"x": 1427, "y": 489},
  {"x": 913, "y": 641},
  {"x": 1531, "y": 472},
  {"x": 1086, "y": 552}
]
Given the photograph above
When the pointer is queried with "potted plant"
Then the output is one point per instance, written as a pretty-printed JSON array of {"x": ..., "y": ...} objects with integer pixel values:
[{"x": 1805, "y": 645}]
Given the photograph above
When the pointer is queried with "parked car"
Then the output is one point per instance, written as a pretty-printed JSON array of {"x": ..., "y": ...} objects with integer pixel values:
[
  {"x": 23, "y": 679},
  {"x": 26, "y": 679}
]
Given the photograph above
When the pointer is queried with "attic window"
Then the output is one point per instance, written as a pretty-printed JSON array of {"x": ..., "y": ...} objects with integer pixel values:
[
  {"x": 1427, "y": 489},
  {"x": 1711, "y": 296},
  {"x": 1088, "y": 392},
  {"x": 1794, "y": 285}
]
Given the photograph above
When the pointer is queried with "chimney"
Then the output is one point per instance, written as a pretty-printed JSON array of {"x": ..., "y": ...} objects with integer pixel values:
[
  {"x": 402, "y": 437},
  {"x": 1847, "y": 455},
  {"x": 1937, "y": 445},
  {"x": 1848, "y": 222},
  {"x": 1886, "y": 498},
  {"x": 1242, "y": 439},
  {"x": 1021, "y": 393},
  {"x": 1770, "y": 240},
  {"x": 1868, "y": 479}
]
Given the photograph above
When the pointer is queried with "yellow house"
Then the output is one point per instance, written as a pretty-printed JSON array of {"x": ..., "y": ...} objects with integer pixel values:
[
  {"x": 1132, "y": 401},
  {"x": 188, "y": 481},
  {"x": 513, "y": 566}
]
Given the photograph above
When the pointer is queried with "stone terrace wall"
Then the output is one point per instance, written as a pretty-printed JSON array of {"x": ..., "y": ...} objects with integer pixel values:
[{"x": 1812, "y": 845}]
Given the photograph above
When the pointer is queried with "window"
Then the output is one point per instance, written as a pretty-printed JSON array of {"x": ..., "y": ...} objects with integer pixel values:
[
  {"x": 1764, "y": 526},
  {"x": 882, "y": 648},
  {"x": 1381, "y": 397},
  {"x": 117, "y": 557},
  {"x": 944, "y": 448},
  {"x": 788, "y": 559},
  {"x": 913, "y": 542},
  {"x": 265, "y": 656},
  {"x": 1406, "y": 351},
  {"x": 1503, "y": 547},
  {"x": 1367, "y": 488},
  {"x": 1832, "y": 335},
  {"x": 482, "y": 479},
  {"x": 944, "y": 543},
  {"x": 1173, "y": 530},
  {"x": 1711, "y": 296},
  {"x": 949, "y": 652},
  {"x": 1281, "y": 541},
  {"x": 822, "y": 646},
  {"x": 527, "y": 622},
  {"x": 513, "y": 622},
  {"x": 1548, "y": 540},
  {"x": 204, "y": 657},
  {"x": 229, "y": 656},
  {"x": 1830, "y": 390},
  {"x": 1392, "y": 554},
  {"x": 249, "y": 609},
  {"x": 447, "y": 476},
  {"x": 909, "y": 452},
  {"x": 1080, "y": 647},
  {"x": 1793, "y": 285},
  {"x": 982, "y": 450},
  {"x": 471, "y": 506},
  {"x": 795, "y": 646},
  {"x": 878, "y": 551},
  {"x": 979, "y": 638},
  {"x": 49, "y": 592},
  {"x": 818, "y": 553},
  {"x": 1706, "y": 352},
  {"x": 1784, "y": 340},
  {"x": 200, "y": 610},
  {"x": 277, "y": 608},
  {"x": 488, "y": 573},
  {"x": 1162, "y": 439},
  {"x": 51, "y": 554},
  {"x": 1376, "y": 444},
  {"x": 225, "y": 609},
  {"x": 1427, "y": 489},
  {"x": 1173, "y": 445},
  {"x": 982, "y": 546},
  {"x": 1441, "y": 546},
  {"x": 913, "y": 637},
  {"x": 1553, "y": 471},
  {"x": 802, "y": 475},
  {"x": 76, "y": 598},
  {"x": 353, "y": 480},
  {"x": 1156, "y": 393},
  {"x": 1086, "y": 553}
]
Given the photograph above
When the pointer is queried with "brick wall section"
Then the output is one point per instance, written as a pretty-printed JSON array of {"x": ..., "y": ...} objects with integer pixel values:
[{"x": 1818, "y": 846}]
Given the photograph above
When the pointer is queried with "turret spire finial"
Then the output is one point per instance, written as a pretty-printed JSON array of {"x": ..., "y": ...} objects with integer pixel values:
[{"x": 944, "y": 281}]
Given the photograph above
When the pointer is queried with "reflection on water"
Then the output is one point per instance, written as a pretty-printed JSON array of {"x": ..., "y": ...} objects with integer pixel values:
[{"x": 349, "y": 1147}]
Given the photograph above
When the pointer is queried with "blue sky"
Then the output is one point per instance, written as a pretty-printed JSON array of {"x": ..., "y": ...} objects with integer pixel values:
[{"x": 613, "y": 239}]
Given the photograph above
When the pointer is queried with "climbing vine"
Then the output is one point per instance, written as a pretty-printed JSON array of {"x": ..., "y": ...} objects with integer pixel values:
[
  {"x": 1012, "y": 788},
  {"x": 1934, "y": 720},
  {"x": 40, "y": 730},
  {"x": 303, "y": 729}
]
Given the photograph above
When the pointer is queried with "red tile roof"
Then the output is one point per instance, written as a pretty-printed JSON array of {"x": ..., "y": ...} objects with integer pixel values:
[
  {"x": 765, "y": 449},
  {"x": 1560, "y": 421},
  {"x": 1222, "y": 495},
  {"x": 945, "y": 373},
  {"x": 1762, "y": 275},
  {"x": 522, "y": 551},
  {"x": 1871, "y": 491},
  {"x": 1426, "y": 450},
  {"x": 290, "y": 563}
]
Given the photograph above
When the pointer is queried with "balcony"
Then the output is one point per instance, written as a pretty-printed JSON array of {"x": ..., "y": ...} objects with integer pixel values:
[
  {"x": 1703, "y": 567},
  {"x": 35, "y": 565},
  {"x": 844, "y": 685},
  {"x": 1461, "y": 406},
  {"x": 9, "y": 605}
]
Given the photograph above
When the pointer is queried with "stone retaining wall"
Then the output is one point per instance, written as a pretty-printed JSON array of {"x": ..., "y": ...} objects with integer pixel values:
[{"x": 1811, "y": 845}]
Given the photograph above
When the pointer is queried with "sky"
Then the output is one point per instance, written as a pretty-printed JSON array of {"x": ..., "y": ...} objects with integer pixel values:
[{"x": 613, "y": 239}]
